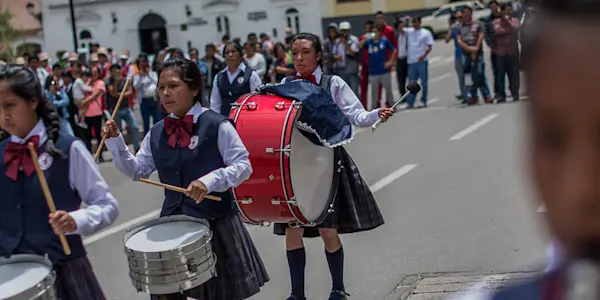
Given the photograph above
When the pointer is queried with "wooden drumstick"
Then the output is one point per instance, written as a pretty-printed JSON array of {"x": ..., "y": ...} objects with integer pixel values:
[
  {"x": 175, "y": 188},
  {"x": 47, "y": 194},
  {"x": 112, "y": 118}
]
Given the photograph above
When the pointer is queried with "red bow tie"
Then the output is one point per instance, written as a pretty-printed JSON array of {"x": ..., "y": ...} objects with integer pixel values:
[
  {"x": 17, "y": 156},
  {"x": 179, "y": 130},
  {"x": 312, "y": 78}
]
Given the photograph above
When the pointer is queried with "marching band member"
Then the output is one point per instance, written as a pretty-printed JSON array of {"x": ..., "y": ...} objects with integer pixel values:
[
  {"x": 197, "y": 148},
  {"x": 355, "y": 208},
  {"x": 234, "y": 81},
  {"x": 26, "y": 225}
]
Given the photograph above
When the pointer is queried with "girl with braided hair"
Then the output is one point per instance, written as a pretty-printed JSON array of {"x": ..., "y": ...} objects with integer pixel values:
[{"x": 26, "y": 224}]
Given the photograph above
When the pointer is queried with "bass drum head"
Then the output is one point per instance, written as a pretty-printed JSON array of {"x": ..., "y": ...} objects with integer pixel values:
[
  {"x": 20, "y": 274},
  {"x": 311, "y": 173}
]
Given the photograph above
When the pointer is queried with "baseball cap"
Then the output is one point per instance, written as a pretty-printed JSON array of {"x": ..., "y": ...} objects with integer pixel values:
[{"x": 345, "y": 25}]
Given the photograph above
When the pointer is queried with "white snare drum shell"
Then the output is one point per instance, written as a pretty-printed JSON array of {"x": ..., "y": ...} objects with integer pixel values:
[
  {"x": 18, "y": 277},
  {"x": 167, "y": 236}
]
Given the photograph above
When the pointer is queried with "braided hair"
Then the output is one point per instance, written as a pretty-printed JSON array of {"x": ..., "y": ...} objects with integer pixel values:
[
  {"x": 24, "y": 83},
  {"x": 316, "y": 42}
]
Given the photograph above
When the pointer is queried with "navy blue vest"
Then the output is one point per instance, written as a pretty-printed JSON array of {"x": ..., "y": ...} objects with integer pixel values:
[
  {"x": 180, "y": 166},
  {"x": 24, "y": 213},
  {"x": 230, "y": 92}
]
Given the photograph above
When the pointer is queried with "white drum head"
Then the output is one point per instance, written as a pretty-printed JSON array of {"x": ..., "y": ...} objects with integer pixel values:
[
  {"x": 18, "y": 277},
  {"x": 311, "y": 172},
  {"x": 166, "y": 236}
]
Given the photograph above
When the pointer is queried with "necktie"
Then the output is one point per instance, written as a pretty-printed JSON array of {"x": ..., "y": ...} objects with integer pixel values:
[
  {"x": 17, "y": 156},
  {"x": 179, "y": 130},
  {"x": 312, "y": 78}
]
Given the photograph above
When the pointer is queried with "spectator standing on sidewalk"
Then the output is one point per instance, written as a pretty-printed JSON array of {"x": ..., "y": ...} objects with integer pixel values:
[
  {"x": 329, "y": 49},
  {"x": 379, "y": 66},
  {"x": 364, "y": 65},
  {"x": 507, "y": 30},
  {"x": 452, "y": 35},
  {"x": 420, "y": 42},
  {"x": 491, "y": 41},
  {"x": 389, "y": 33},
  {"x": 348, "y": 63},
  {"x": 114, "y": 85},
  {"x": 401, "y": 65},
  {"x": 471, "y": 41}
]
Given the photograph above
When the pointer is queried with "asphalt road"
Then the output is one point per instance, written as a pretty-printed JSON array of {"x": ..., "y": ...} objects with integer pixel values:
[{"x": 449, "y": 180}]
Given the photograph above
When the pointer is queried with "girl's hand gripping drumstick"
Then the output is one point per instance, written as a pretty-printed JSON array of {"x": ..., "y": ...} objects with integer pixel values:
[
  {"x": 47, "y": 194},
  {"x": 176, "y": 189},
  {"x": 114, "y": 114}
]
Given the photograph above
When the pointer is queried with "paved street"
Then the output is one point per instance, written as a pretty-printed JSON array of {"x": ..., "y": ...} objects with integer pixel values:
[{"x": 450, "y": 183}]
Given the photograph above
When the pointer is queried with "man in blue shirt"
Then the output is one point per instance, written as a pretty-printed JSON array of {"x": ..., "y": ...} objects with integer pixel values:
[
  {"x": 453, "y": 33},
  {"x": 379, "y": 65}
]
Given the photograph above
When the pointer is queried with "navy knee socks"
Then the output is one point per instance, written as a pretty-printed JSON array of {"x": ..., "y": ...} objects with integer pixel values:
[
  {"x": 335, "y": 261},
  {"x": 297, "y": 263}
]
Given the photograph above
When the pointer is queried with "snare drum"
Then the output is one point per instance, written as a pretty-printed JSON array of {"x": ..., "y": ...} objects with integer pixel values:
[
  {"x": 27, "y": 277},
  {"x": 293, "y": 181},
  {"x": 170, "y": 254}
]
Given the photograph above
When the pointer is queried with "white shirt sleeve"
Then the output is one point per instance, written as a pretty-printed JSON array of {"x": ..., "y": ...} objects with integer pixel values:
[
  {"x": 255, "y": 81},
  {"x": 261, "y": 65},
  {"x": 429, "y": 38},
  {"x": 347, "y": 101},
  {"x": 236, "y": 158},
  {"x": 215, "y": 96},
  {"x": 102, "y": 209},
  {"x": 136, "y": 166}
]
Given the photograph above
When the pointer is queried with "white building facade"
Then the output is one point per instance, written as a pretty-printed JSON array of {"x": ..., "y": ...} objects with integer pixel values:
[{"x": 150, "y": 25}]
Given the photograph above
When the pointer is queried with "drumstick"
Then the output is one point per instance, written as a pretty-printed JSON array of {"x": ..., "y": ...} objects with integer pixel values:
[
  {"x": 114, "y": 114},
  {"x": 47, "y": 194},
  {"x": 413, "y": 88},
  {"x": 176, "y": 188}
]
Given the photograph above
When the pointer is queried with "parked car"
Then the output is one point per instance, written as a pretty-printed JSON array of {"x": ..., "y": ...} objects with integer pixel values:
[{"x": 437, "y": 22}]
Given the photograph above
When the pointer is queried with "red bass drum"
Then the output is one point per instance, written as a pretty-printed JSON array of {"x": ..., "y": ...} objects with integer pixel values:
[{"x": 294, "y": 181}]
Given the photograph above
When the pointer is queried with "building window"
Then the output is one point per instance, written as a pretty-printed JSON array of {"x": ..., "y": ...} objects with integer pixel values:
[
  {"x": 223, "y": 25},
  {"x": 219, "y": 25},
  {"x": 227, "y": 31},
  {"x": 293, "y": 19},
  {"x": 85, "y": 35}
]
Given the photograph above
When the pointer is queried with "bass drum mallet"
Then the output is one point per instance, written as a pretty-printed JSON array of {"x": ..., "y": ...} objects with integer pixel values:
[{"x": 413, "y": 88}]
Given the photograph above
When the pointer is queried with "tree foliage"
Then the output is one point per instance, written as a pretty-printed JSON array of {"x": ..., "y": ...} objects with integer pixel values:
[{"x": 8, "y": 34}]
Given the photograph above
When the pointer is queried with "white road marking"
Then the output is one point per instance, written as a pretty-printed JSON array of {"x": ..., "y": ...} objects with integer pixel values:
[
  {"x": 441, "y": 77},
  {"x": 542, "y": 208},
  {"x": 155, "y": 213},
  {"x": 391, "y": 178},
  {"x": 473, "y": 127}
]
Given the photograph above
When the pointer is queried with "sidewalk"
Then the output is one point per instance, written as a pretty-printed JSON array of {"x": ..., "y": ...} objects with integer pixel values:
[{"x": 443, "y": 285}]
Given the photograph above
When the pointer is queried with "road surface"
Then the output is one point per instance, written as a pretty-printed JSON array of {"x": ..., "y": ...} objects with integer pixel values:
[{"x": 449, "y": 180}]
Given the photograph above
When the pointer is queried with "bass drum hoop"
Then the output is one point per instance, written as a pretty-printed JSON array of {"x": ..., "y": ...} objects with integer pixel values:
[{"x": 44, "y": 290}]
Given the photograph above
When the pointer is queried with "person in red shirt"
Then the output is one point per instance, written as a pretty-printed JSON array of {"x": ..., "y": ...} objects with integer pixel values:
[
  {"x": 388, "y": 32},
  {"x": 364, "y": 70}
]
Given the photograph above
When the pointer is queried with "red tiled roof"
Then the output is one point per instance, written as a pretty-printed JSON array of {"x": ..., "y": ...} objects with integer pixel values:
[{"x": 21, "y": 18}]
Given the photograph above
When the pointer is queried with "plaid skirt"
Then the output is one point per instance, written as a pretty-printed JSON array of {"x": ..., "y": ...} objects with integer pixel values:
[
  {"x": 240, "y": 270},
  {"x": 75, "y": 280},
  {"x": 354, "y": 207}
]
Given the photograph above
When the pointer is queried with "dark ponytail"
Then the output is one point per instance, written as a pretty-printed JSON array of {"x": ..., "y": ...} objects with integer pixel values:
[
  {"x": 24, "y": 83},
  {"x": 316, "y": 42}
]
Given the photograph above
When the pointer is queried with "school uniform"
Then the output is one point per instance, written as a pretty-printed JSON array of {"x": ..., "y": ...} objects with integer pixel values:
[
  {"x": 354, "y": 208},
  {"x": 24, "y": 227},
  {"x": 202, "y": 146},
  {"x": 228, "y": 88}
]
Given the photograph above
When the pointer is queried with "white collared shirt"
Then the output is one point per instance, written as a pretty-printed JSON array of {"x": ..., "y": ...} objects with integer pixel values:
[
  {"x": 102, "y": 209},
  {"x": 347, "y": 101},
  {"x": 215, "y": 95},
  {"x": 232, "y": 149}
]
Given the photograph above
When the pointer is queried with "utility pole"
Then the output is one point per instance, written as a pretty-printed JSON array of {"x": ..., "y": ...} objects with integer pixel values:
[{"x": 73, "y": 26}]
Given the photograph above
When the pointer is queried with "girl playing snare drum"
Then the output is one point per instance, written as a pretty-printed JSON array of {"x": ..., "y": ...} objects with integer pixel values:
[
  {"x": 26, "y": 225},
  {"x": 200, "y": 149}
]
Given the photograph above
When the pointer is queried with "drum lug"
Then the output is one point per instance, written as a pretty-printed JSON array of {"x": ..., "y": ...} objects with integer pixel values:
[
  {"x": 191, "y": 266},
  {"x": 286, "y": 150},
  {"x": 250, "y": 106},
  {"x": 280, "y": 105},
  {"x": 271, "y": 177},
  {"x": 340, "y": 167},
  {"x": 245, "y": 200},
  {"x": 330, "y": 210},
  {"x": 277, "y": 201}
]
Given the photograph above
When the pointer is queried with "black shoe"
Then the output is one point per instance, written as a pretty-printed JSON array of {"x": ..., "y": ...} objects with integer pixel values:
[
  {"x": 292, "y": 297},
  {"x": 338, "y": 295}
]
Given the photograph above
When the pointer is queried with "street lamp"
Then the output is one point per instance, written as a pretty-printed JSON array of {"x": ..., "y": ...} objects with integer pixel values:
[{"x": 73, "y": 26}]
